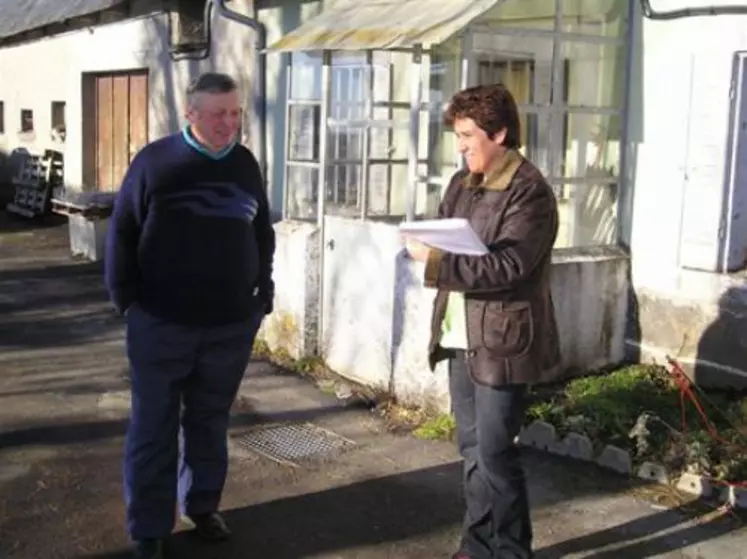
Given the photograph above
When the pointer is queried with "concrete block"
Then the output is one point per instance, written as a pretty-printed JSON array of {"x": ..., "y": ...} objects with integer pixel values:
[
  {"x": 695, "y": 485},
  {"x": 704, "y": 322},
  {"x": 540, "y": 435},
  {"x": 88, "y": 238},
  {"x": 737, "y": 497},
  {"x": 650, "y": 471},
  {"x": 616, "y": 459},
  {"x": 292, "y": 327},
  {"x": 575, "y": 445},
  {"x": 590, "y": 288}
]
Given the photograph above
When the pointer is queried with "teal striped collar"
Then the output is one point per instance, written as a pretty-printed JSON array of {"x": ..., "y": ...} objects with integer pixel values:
[{"x": 194, "y": 144}]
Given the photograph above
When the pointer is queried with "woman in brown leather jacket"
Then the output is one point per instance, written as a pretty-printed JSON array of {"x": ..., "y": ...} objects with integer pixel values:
[{"x": 493, "y": 315}]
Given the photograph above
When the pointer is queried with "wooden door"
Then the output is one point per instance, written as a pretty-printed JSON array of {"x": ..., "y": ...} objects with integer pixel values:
[{"x": 115, "y": 126}]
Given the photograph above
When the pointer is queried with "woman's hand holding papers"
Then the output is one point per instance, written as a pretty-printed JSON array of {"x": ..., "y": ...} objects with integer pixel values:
[{"x": 415, "y": 249}]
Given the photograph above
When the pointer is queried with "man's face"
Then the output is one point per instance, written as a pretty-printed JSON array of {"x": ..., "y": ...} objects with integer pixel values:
[
  {"x": 215, "y": 118},
  {"x": 478, "y": 149}
]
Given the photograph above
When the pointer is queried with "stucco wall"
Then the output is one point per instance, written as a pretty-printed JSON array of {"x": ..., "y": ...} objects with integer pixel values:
[
  {"x": 678, "y": 128},
  {"x": 140, "y": 43},
  {"x": 292, "y": 325},
  {"x": 377, "y": 312}
]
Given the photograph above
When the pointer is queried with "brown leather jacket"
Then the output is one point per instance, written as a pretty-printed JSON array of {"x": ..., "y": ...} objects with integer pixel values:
[{"x": 511, "y": 329}]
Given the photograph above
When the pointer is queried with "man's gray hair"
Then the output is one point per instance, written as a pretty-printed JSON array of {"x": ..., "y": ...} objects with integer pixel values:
[{"x": 210, "y": 82}]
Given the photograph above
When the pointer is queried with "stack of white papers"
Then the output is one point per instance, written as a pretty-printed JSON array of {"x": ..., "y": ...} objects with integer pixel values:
[{"x": 453, "y": 235}]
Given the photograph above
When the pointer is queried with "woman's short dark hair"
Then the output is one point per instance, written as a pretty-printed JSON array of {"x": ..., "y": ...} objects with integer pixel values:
[{"x": 492, "y": 107}]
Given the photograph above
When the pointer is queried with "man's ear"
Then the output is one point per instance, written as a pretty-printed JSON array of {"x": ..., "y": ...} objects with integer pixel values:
[{"x": 190, "y": 112}]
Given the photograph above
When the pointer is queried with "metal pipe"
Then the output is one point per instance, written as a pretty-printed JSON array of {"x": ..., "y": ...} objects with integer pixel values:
[
  {"x": 555, "y": 155},
  {"x": 650, "y": 13},
  {"x": 733, "y": 146},
  {"x": 416, "y": 83},
  {"x": 322, "y": 190},
  {"x": 467, "y": 78},
  {"x": 286, "y": 140},
  {"x": 369, "y": 115},
  {"x": 260, "y": 78},
  {"x": 502, "y": 30},
  {"x": 624, "y": 192}
]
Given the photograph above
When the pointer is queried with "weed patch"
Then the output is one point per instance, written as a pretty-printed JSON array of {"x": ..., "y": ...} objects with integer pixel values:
[
  {"x": 440, "y": 427},
  {"x": 638, "y": 408}
]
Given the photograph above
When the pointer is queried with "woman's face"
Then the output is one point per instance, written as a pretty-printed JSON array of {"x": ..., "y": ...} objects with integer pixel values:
[{"x": 478, "y": 149}]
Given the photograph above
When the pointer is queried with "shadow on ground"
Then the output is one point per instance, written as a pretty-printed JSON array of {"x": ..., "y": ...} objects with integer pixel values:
[
  {"x": 419, "y": 504},
  {"x": 93, "y": 430},
  {"x": 376, "y": 511},
  {"x": 12, "y": 223},
  {"x": 664, "y": 532},
  {"x": 58, "y": 304}
]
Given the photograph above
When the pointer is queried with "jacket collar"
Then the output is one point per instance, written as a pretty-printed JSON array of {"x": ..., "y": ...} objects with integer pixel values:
[{"x": 499, "y": 175}]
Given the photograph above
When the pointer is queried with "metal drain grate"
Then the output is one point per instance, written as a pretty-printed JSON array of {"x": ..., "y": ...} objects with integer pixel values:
[{"x": 288, "y": 443}]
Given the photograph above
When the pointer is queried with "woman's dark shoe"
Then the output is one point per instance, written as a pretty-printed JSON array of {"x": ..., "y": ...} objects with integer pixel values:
[
  {"x": 149, "y": 549},
  {"x": 210, "y": 526}
]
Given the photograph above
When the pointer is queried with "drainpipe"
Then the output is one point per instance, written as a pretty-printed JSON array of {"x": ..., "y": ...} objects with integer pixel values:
[
  {"x": 650, "y": 13},
  {"x": 260, "y": 88}
]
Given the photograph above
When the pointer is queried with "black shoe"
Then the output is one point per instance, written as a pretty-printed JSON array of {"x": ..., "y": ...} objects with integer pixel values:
[
  {"x": 210, "y": 526},
  {"x": 149, "y": 549}
]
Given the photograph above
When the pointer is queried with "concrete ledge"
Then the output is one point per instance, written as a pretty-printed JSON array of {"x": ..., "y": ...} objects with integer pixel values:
[
  {"x": 708, "y": 335},
  {"x": 576, "y": 446},
  {"x": 543, "y": 436},
  {"x": 540, "y": 435},
  {"x": 590, "y": 290},
  {"x": 291, "y": 328},
  {"x": 653, "y": 472},
  {"x": 376, "y": 311},
  {"x": 695, "y": 485},
  {"x": 88, "y": 237}
]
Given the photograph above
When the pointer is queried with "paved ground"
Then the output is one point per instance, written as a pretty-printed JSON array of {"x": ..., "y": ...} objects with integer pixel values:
[{"x": 63, "y": 408}]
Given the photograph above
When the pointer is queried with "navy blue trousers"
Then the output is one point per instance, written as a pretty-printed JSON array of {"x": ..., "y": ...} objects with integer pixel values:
[
  {"x": 184, "y": 382},
  {"x": 497, "y": 522}
]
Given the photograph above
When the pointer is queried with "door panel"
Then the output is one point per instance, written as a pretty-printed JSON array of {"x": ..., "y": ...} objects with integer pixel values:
[
  {"x": 104, "y": 113},
  {"x": 115, "y": 125},
  {"x": 703, "y": 197},
  {"x": 138, "y": 113},
  {"x": 735, "y": 218},
  {"x": 120, "y": 129}
]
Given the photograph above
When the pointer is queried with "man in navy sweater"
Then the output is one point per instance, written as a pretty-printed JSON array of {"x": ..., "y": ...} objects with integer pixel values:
[{"x": 189, "y": 262}]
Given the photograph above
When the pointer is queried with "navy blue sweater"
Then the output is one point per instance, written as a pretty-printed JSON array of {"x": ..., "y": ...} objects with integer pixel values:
[{"x": 191, "y": 239}]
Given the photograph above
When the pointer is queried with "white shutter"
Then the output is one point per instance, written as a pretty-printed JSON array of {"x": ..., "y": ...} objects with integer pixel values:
[
  {"x": 704, "y": 166},
  {"x": 735, "y": 207}
]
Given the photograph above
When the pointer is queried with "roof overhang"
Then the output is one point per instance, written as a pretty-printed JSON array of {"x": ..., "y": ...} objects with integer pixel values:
[
  {"x": 382, "y": 25},
  {"x": 21, "y": 16}
]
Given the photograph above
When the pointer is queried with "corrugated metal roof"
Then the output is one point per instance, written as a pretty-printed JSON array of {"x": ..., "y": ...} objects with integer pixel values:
[
  {"x": 383, "y": 24},
  {"x": 19, "y": 16}
]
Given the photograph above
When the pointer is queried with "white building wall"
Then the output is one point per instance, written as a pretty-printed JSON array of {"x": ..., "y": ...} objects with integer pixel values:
[
  {"x": 39, "y": 72},
  {"x": 678, "y": 129},
  {"x": 679, "y": 118},
  {"x": 376, "y": 312}
]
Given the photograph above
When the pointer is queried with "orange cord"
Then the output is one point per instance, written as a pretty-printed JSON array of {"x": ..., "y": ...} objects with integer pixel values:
[{"x": 686, "y": 391}]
